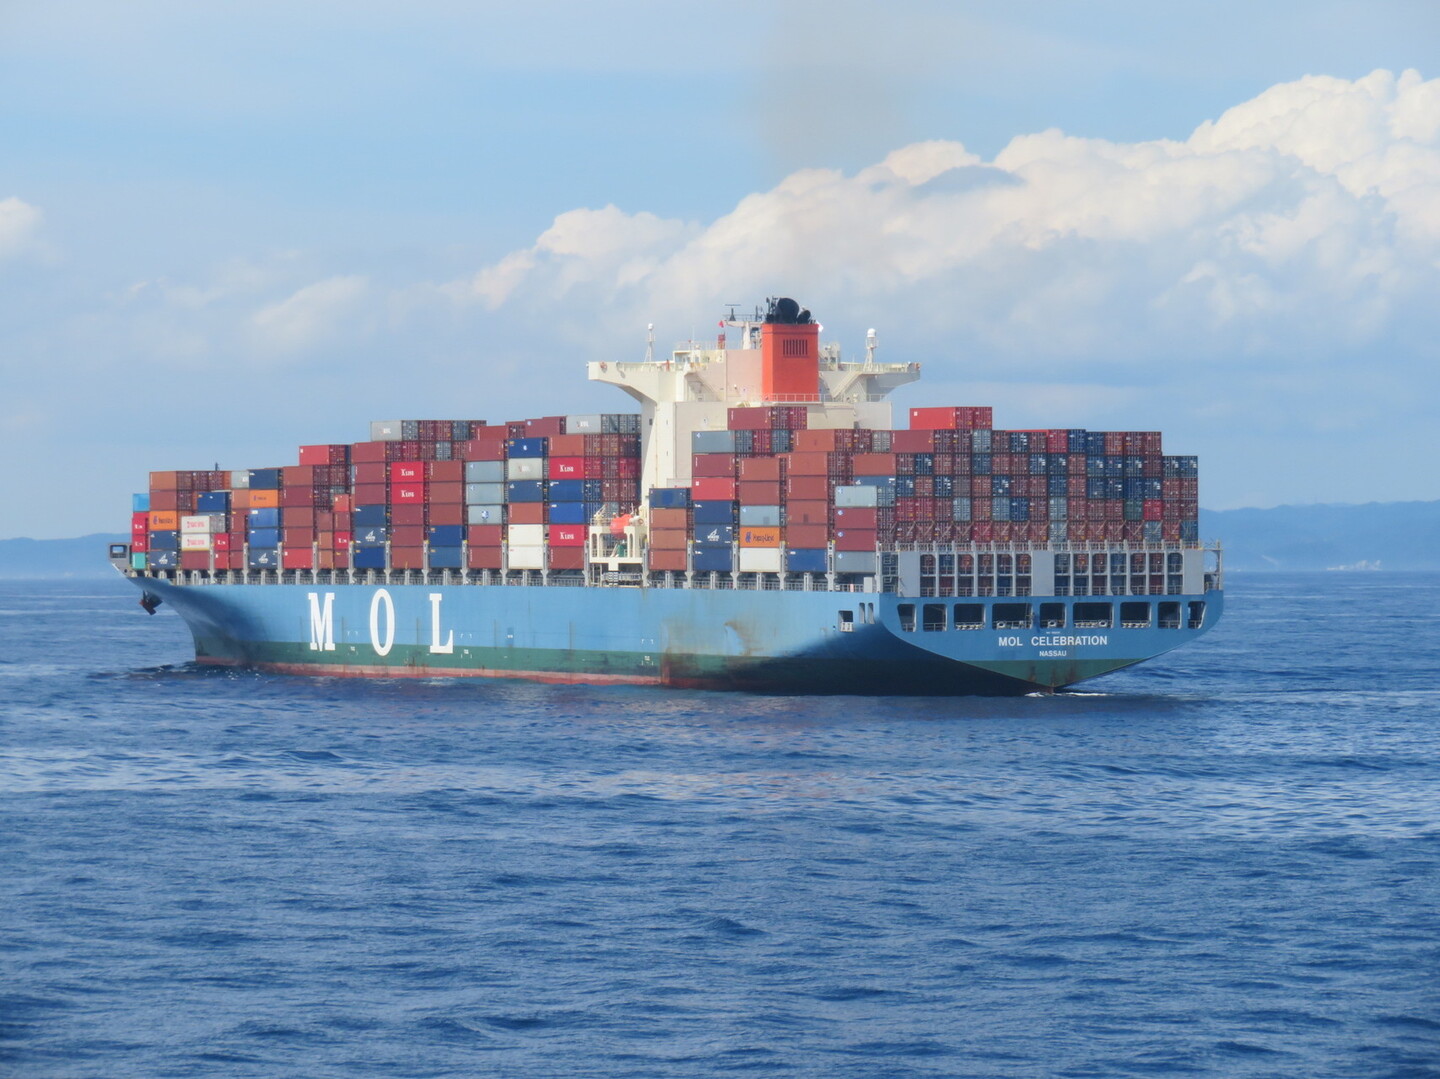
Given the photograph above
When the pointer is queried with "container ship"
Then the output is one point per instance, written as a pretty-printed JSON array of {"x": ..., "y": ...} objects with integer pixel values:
[{"x": 759, "y": 524}]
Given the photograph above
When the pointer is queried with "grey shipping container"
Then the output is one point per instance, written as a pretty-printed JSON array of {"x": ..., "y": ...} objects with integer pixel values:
[
  {"x": 760, "y": 515},
  {"x": 386, "y": 430},
  {"x": 857, "y": 496},
  {"x": 484, "y": 471},
  {"x": 712, "y": 442},
  {"x": 854, "y": 561},
  {"x": 479, "y": 494}
]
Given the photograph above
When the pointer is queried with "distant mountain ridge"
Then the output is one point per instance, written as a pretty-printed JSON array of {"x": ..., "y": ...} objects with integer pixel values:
[
  {"x": 1376, "y": 535},
  {"x": 1383, "y": 535}
]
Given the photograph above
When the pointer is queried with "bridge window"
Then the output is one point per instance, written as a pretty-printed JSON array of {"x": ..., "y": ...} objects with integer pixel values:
[
  {"x": 969, "y": 616},
  {"x": 1169, "y": 616},
  {"x": 1094, "y": 615},
  {"x": 906, "y": 611},
  {"x": 932, "y": 617},
  {"x": 1052, "y": 616},
  {"x": 1011, "y": 616},
  {"x": 1197, "y": 613},
  {"x": 1135, "y": 615}
]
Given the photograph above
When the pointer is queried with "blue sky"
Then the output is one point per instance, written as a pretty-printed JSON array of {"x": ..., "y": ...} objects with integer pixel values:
[{"x": 228, "y": 229}]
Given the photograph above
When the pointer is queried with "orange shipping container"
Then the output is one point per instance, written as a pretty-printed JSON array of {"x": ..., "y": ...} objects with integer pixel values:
[
  {"x": 809, "y": 464},
  {"x": 164, "y": 520},
  {"x": 762, "y": 536},
  {"x": 669, "y": 518},
  {"x": 527, "y": 513},
  {"x": 164, "y": 481},
  {"x": 263, "y": 500},
  {"x": 668, "y": 539},
  {"x": 762, "y": 468}
]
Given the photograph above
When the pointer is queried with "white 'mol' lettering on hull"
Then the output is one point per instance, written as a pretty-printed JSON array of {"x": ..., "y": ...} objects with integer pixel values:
[
  {"x": 322, "y": 623},
  {"x": 435, "y": 645},
  {"x": 382, "y": 599}
]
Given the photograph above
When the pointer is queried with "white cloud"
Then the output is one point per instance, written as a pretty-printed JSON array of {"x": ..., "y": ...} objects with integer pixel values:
[
  {"x": 312, "y": 314},
  {"x": 19, "y": 223},
  {"x": 1304, "y": 222}
]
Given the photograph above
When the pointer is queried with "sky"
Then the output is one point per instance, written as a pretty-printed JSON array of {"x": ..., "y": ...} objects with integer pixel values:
[{"x": 229, "y": 229}]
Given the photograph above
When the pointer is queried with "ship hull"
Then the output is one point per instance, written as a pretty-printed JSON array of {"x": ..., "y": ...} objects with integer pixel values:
[{"x": 768, "y": 641}]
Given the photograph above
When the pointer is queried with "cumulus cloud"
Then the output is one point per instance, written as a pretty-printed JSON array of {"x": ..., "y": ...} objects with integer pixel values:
[
  {"x": 1303, "y": 222},
  {"x": 311, "y": 314},
  {"x": 19, "y": 223}
]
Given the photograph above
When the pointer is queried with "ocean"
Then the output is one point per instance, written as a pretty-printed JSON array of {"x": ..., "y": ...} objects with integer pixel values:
[{"x": 1225, "y": 862}]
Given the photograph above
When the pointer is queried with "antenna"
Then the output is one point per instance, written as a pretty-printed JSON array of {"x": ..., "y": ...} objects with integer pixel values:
[
  {"x": 870, "y": 345},
  {"x": 650, "y": 343}
]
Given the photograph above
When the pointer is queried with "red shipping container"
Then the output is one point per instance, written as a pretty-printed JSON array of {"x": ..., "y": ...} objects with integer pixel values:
[
  {"x": 567, "y": 557},
  {"x": 365, "y": 452},
  {"x": 566, "y": 535},
  {"x": 407, "y": 535},
  {"x": 526, "y": 513},
  {"x": 407, "y": 471},
  {"x": 1114, "y": 443},
  {"x": 873, "y": 464},
  {"x": 445, "y": 513},
  {"x": 820, "y": 440},
  {"x": 412, "y": 513},
  {"x": 760, "y": 469},
  {"x": 140, "y": 521},
  {"x": 571, "y": 468},
  {"x": 748, "y": 419},
  {"x": 483, "y": 558},
  {"x": 411, "y": 557},
  {"x": 713, "y": 489},
  {"x": 370, "y": 472},
  {"x": 757, "y": 494},
  {"x": 856, "y": 517},
  {"x": 934, "y": 419},
  {"x": 485, "y": 535},
  {"x": 912, "y": 442},
  {"x": 807, "y": 488},
  {"x": 1154, "y": 509},
  {"x": 297, "y": 476},
  {"x": 297, "y": 496},
  {"x": 809, "y": 464},
  {"x": 446, "y": 491},
  {"x": 485, "y": 449},
  {"x": 712, "y": 464},
  {"x": 370, "y": 494},
  {"x": 341, "y": 540},
  {"x": 567, "y": 446},
  {"x": 609, "y": 467},
  {"x": 660, "y": 560},
  {"x": 806, "y": 535},
  {"x": 669, "y": 517},
  {"x": 344, "y": 503},
  {"x": 668, "y": 539},
  {"x": 324, "y": 455},
  {"x": 334, "y": 560},
  {"x": 163, "y": 500},
  {"x": 300, "y": 517},
  {"x": 545, "y": 427},
  {"x": 194, "y": 559},
  {"x": 140, "y": 543},
  {"x": 445, "y": 471},
  {"x": 401, "y": 493},
  {"x": 628, "y": 468},
  {"x": 855, "y": 539},
  {"x": 813, "y": 512}
]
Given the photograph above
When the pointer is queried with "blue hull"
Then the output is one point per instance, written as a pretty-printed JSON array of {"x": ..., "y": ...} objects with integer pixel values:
[{"x": 779, "y": 641}]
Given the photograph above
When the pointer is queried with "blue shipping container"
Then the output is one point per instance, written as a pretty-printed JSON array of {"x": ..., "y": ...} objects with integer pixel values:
[
  {"x": 805, "y": 560},
  {"x": 446, "y": 536},
  {"x": 140, "y": 503},
  {"x": 445, "y": 557},
  {"x": 710, "y": 534},
  {"x": 525, "y": 490},
  {"x": 263, "y": 537},
  {"x": 263, "y": 558},
  {"x": 369, "y": 558},
  {"x": 164, "y": 559},
  {"x": 716, "y": 559},
  {"x": 264, "y": 479},
  {"x": 526, "y": 447},
  {"x": 165, "y": 541},
  {"x": 714, "y": 513},
  {"x": 372, "y": 537},
  {"x": 213, "y": 502},
  {"x": 268, "y": 517},
  {"x": 669, "y": 498},
  {"x": 567, "y": 490},
  {"x": 567, "y": 513}
]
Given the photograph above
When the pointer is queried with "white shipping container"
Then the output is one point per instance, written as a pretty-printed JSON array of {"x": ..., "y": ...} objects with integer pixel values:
[
  {"x": 484, "y": 471},
  {"x": 525, "y": 535},
  {"x": 583, "y": 425},
  {"x": 201, "y": 523},
  {"x": 386, "y": 431},
  {"x": 525, "y": 468},
  {"x": 240, "y": 481},
  {"x": 857, "y": 496},
  {"x": 528, "y": 557},
  {"x": 195, "y": 541},
  {"x": 761, "y": 559},
  {"x": 492, "y": 514}
]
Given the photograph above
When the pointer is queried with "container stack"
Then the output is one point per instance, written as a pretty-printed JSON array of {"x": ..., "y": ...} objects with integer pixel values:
[{"x": 419, "y": 494}]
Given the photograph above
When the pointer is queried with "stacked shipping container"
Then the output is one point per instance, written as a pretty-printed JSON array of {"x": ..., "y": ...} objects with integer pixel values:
[{"x": 437, "y": 494}]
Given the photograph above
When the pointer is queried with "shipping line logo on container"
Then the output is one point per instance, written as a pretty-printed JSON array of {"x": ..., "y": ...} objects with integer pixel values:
[{"x": 382, "y": 623}]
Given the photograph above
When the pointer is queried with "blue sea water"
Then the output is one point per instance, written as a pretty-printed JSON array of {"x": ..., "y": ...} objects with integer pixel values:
[{"x": 1223, "y": 863}]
